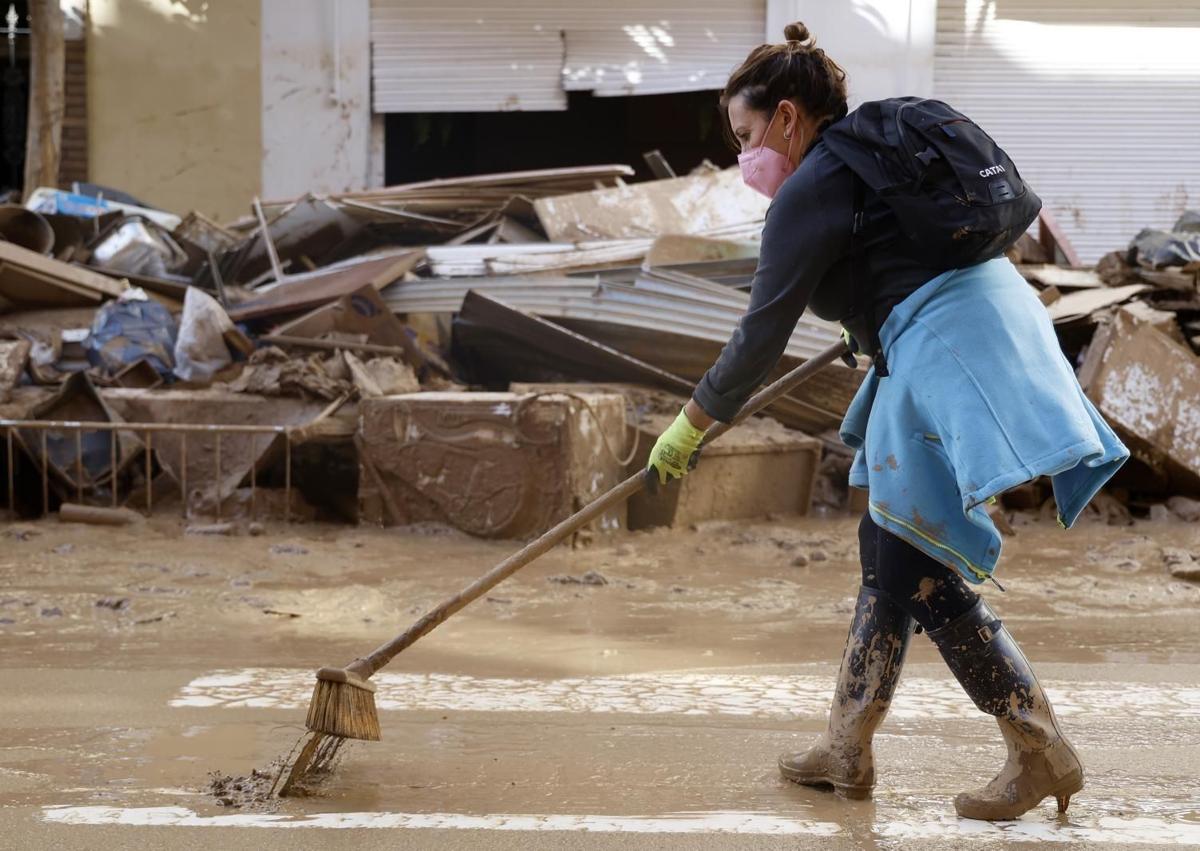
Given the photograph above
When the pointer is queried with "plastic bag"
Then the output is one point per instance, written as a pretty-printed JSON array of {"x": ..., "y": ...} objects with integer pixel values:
[
  {"x": 130, "y": 329},
  {"x": 200, "y": 350}
]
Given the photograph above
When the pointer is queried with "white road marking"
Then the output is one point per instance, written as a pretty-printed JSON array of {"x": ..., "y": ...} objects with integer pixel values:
[
  {"x": 1135, "y": 831},
  {"x": 767, "y": 695}
]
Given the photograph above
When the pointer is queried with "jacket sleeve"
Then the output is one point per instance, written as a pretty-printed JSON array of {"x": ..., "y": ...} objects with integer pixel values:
[{"x": 807, "y": 229}]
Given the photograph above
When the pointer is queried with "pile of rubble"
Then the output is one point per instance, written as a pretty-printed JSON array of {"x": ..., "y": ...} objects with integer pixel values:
[
  {"x": 488, "y": 351},
  {"x": 1131, "y": 326}
]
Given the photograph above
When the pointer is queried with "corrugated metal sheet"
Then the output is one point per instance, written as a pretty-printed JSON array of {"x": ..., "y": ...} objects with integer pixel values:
[
  {"x": 475, "y": 55},
  {"x": 1098, "y": 103}
]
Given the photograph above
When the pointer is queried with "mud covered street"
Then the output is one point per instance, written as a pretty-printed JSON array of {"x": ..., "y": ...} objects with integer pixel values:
[{"x": 644, "y": 703}]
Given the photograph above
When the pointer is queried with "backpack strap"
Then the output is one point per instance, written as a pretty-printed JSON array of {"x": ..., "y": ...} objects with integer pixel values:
[{"x": 863, "y": 303}]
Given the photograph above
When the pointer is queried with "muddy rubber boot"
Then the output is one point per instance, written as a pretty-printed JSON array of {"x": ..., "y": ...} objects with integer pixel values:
[
  {"x": 842, "y": 756},
  {"x": 995, "y": 674}
]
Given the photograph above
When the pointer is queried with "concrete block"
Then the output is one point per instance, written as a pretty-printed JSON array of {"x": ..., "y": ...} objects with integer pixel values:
[
  {"x": 497, "y": 465},
  {"x": 759, "y": 468}
]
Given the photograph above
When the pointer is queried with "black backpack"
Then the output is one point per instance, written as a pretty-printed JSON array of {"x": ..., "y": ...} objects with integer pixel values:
[{"x": 956, "y": 195}]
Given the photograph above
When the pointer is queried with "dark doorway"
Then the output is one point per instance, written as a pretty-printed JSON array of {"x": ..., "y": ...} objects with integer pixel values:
[
  {"x": 14, "y": 96},
  {"x": 686, "y": 127}
]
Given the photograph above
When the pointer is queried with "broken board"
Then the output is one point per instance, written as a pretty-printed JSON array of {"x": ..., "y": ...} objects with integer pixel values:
[
  {"x": 1148, "y": 386},
  {"x": 29, "y": 279},
  {"x": 695, "y": 204}
]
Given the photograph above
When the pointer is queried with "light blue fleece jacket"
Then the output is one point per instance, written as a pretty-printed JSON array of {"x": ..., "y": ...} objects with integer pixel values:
[{"x": 979, "y": 399}]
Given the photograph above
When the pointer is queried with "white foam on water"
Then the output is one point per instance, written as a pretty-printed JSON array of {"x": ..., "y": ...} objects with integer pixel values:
[
  {"x": 714, "y": 822},
  {"x": 765, "y": 695},
  {"x": 1112, "y": 829}
]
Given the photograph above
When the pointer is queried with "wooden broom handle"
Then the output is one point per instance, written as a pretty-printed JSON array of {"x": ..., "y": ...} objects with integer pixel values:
[{"x": 382, "y": 655}]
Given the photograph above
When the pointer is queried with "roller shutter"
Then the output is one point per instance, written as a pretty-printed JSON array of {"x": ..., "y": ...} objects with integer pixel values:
[
  {"x": 1098, "y": 103},
  {"x": 475, "y": 55}
]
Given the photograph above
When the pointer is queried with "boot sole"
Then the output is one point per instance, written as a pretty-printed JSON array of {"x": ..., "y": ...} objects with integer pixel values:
[{"x": 843, "y": 790}]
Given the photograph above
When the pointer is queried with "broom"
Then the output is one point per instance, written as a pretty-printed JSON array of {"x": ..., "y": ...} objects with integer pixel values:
[{"x": 343, "y": 700}]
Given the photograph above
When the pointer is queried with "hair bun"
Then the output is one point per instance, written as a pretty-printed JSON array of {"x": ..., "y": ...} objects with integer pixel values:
[{"x": 799, "y": 32}]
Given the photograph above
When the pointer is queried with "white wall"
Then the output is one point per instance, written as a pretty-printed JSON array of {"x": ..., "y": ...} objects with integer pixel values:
[
  {"x": 316, "y": 97},
  {"x": 886, "y": 46}
]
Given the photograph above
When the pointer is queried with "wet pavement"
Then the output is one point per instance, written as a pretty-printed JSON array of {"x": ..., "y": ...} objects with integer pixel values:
[{"x": 645, "y": 712}]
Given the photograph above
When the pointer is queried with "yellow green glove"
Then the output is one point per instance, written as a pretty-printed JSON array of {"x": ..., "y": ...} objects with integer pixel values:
[{"x": 674, "y": 448}]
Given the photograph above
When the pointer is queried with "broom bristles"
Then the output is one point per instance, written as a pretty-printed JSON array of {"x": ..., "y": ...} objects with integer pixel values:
[{"x": 343, "y": 709}]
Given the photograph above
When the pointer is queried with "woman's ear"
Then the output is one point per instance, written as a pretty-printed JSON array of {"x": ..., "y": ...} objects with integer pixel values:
[{"x": 789, "y": 118}]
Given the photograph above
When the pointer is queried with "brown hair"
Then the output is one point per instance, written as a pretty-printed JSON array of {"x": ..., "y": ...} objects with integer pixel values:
[{"x": 796, "y": 69}]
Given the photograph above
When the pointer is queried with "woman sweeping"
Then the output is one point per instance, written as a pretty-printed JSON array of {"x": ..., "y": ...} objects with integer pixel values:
[{"x": 893, "y": 221}]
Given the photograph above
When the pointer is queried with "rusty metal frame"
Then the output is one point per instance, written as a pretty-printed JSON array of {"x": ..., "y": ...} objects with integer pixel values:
[{"x": 148, "y": 429}]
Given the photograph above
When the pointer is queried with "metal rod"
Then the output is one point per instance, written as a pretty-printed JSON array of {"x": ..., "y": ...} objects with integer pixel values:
[
  {"x": 45, "y": 478},
  {"x": 112, "y": 465},
  {"x": 79, "y": 467},
  {"x": 272, "y": 255},
  {"x": 161, "y": 427},
  {"x": 307, "y": 343},
  {"x": 149, "y": 478},
  {"x": 287, "y": 476},
  {"x": 215, "y": 270},
  {"x": 218, "y": 476},
  {"x": 183, "y": 494},
  {"x": 12, "y": 491},
  {"x": 254, "y": 488}
]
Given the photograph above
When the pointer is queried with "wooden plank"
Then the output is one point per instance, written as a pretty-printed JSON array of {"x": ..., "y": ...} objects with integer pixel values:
[
  {"x": 23, "y": 288},
  {"x": 298, "y": 293},
  {"x": 43, "y": 131},
  {"x": 1051, "y": 236},
  {"x": 69, "y": 279},
  {"x": 1085, "y": 302},
  {"x": 1065, "y": 279},
  {"x": 695, "y": 204}
]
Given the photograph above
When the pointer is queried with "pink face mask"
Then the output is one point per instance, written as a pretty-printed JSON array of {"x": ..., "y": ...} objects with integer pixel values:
[{"x": 764, "y": 169}]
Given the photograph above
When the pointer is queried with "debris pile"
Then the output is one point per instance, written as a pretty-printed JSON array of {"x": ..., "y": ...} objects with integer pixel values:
[{"x": 488, "y": 352}]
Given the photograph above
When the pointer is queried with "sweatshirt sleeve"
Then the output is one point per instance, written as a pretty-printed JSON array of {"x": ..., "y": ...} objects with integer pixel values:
[{"x": 807, "y": 229}]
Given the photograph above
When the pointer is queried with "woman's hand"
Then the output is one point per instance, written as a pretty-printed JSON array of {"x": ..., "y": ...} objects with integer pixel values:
[{"x": 672, "y": 453}]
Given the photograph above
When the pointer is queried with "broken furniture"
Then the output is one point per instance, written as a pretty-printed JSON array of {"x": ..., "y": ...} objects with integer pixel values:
[{"x": 497, "y": 465}]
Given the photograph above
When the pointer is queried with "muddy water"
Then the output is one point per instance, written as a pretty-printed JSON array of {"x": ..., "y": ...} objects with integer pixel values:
[{"x": 138, "y": 661}]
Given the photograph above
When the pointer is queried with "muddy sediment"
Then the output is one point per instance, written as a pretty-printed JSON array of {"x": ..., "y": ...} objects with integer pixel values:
[{"x": 670, "y": 687}]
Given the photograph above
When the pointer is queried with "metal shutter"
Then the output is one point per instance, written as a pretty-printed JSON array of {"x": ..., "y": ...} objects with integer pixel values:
[
  {"x": 1098, "y": 103},
  {"x": 475, "y": 55}
]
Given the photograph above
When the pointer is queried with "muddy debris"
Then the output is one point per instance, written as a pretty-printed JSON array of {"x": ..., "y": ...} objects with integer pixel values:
[
  {"x": 250, "y": 791},
  {"x": 155, "y": 619},
  {"x": 224, "y": 529},
  {"x": 1181, "y": 564},
  {"x": 1184, "y": 508},
  {"x": 592, "y": 577},
  {"x": 800, "y": 561},
  {"x": 818, "y": 555},
  {"x": 1173, "y": 556},
  {"x": 52, "y": 612},
  {"x": 117, "y": 604},
  {"x": 288, "y": 550}
]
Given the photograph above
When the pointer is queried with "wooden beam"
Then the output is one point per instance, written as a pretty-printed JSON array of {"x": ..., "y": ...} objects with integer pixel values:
[{"x": 43, "y": 136}]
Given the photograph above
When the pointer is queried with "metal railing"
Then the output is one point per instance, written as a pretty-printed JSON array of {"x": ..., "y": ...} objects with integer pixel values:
[{"x": 147, "y": 430}]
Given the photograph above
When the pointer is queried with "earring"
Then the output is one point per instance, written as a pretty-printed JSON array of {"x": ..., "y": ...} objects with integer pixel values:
[{"x": 787, "y": 136}]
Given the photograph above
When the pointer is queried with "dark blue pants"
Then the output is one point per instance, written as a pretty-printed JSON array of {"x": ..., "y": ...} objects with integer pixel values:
[{"x": 930, "y": 592}]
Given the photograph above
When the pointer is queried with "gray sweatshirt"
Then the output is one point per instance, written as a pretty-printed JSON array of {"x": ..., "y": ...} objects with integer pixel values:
[{"x": 804, "y": 262}]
